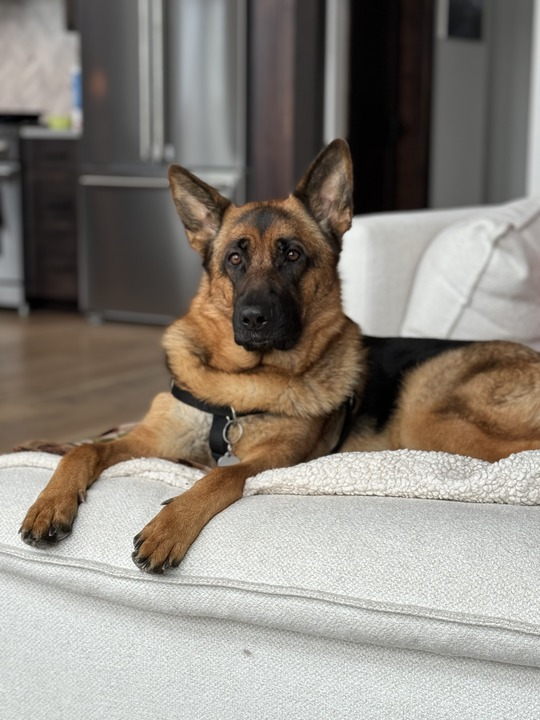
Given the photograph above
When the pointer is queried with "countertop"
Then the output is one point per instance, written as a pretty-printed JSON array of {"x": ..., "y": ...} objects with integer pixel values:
[{"x": 38, "y": 132}]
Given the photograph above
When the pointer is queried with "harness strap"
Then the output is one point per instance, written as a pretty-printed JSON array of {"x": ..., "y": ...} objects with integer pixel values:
[
  {"x": 347, "y": 424},
  {"x": 188, "y": 399},
  {"x": 222, "y": 414}
]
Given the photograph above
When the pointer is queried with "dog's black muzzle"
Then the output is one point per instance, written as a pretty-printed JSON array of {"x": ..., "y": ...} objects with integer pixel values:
[{"x": 266, "y": 321}]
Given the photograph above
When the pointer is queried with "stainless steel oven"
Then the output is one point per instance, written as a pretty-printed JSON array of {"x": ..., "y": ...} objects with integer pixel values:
[{"x": 11, "y": 234}]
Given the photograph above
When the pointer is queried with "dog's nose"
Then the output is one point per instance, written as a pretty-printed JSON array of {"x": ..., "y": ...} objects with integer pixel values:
[{"x": 253, "y": 317}]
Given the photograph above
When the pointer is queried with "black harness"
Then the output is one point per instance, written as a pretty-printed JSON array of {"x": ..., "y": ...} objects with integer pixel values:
[{"x": 222, "y": 415}]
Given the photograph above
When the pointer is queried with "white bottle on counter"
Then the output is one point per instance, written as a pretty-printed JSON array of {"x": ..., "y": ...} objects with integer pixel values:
[{"x": 76, "y": 98}]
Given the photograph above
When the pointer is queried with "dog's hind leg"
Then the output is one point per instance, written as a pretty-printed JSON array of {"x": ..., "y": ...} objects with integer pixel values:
[{"x": 169, "y": 430}]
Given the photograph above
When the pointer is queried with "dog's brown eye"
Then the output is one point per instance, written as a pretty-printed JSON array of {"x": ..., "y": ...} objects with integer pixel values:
[
  {"x": 235, "y": 259},
  {"x": 293, "y": 255}
]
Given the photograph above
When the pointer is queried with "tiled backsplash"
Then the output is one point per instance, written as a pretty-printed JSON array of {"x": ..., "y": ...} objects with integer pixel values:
[{"x": 36, "y": 56}]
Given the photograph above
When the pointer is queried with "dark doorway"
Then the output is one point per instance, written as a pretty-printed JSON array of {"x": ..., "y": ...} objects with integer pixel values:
[
  {"x": 390, "y": 103},
  {"x": 390, "y": 98}
]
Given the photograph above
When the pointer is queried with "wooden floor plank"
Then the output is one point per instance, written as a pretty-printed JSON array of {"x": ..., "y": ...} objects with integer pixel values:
[{"x": 62, "y": 378}]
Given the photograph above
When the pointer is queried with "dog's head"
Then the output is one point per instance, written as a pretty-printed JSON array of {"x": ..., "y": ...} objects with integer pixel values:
[{"x": 268, "y": 262}]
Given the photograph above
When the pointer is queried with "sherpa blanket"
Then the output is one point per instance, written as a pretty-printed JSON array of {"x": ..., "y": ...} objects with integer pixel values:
[{"x": 397, "y": 473}]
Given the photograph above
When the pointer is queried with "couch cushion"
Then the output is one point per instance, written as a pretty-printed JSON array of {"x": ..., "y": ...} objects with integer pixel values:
[
  {"x": 379, "y": 258},
  {"x": 452, "y": 578},
  {"x": 480, "y": 278}
]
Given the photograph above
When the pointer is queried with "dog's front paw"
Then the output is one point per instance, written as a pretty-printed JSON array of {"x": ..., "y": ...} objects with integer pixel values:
[
  {"x": 49, "y": 520},
  {"x": 164, "y": 541}
]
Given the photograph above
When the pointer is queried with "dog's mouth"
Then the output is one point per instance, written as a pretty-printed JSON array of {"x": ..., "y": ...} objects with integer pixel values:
[{"x": 257, "y": 342}]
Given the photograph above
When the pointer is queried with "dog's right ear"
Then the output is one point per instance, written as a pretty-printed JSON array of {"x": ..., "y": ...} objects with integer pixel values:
[
  {"x": 199, "y": 206},
  {"x": 326, "y": 189}
]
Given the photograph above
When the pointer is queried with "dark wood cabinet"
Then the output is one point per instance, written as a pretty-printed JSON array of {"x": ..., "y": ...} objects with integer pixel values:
[{"x": 50, "y": 219}]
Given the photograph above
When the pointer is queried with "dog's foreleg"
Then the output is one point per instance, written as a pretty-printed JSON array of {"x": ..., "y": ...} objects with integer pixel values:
[
  {"x": 269, "y": 442},
  {"x": 51, "y": 516},
  {"x": 166, "y": 539},
  {"x": 162, "y": 433}
]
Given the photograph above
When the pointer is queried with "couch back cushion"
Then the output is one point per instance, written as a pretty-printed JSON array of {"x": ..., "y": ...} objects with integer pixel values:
[
  {"x": 480, "y": 278},
  {"x": 381, "y": 253}
]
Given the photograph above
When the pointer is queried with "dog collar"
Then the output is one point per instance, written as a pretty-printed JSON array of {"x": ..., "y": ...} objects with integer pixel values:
[{"x": 224, "y": 418}]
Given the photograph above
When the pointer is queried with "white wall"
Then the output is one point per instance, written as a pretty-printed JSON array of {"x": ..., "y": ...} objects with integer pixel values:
[
  {"x": 457, "y": 156},
  {"x": 481, "y": 138},
  {"x": 533, "y": 169},
  {"x": 509, "y": 45}
]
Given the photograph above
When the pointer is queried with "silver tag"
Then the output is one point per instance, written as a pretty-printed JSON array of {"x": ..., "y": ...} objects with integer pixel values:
[
  {"x": 232, "y": 424},
  {"x": 228, "y": 459}
]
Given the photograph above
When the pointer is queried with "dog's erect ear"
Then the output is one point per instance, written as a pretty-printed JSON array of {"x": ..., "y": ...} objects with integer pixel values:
[
  {"x": 199, "y": 205},
  {"x": 326, "y": 189}
]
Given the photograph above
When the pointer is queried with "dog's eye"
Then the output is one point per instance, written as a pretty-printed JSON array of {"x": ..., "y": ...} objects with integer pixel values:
[
  {"x": 293, "y": 255},
  {"x": 235, "y": 259}
]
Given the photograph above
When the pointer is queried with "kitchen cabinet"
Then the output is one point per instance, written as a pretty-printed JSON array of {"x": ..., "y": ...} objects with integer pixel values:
[{"x": 49, "y": 167}]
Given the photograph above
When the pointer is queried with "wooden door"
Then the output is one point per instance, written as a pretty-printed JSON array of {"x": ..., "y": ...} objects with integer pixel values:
[
  {"x": 390, "y": 98},
  {"x": 286, "y": 92}
]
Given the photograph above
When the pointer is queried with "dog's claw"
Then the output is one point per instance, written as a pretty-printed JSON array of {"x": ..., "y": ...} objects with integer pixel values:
[
  {"x": 60, "y": 532},
  {"x": 140, "y": 562},
  {"x": 144, "y": 564},
  {"x": 51, "y": 537}
]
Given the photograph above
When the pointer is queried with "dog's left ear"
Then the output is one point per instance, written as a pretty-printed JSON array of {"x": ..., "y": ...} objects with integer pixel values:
[
  {"x": 199, "y": 206},
  {"x": 326, "y": 189}
]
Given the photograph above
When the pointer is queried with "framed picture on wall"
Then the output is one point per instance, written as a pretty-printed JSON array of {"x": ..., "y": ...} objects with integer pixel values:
[{"x": 461, "y": 19}]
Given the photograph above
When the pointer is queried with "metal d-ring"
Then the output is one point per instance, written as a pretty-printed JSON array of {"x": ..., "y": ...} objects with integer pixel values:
[{"x": 231, "y": 423}]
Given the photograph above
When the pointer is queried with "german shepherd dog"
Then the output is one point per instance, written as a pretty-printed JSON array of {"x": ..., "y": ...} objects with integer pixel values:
[{"x": 266, "y": 360}]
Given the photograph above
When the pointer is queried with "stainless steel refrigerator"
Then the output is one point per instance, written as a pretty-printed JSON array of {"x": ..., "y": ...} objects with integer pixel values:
[{"x": 163, "y": 81}]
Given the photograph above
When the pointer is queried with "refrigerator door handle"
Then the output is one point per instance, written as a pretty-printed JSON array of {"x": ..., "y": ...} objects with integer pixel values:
[
  {"x": 124, "y": 181},
  {"x": 336, "y": 81},
  {"x": 145, "y": 137},
  {"x": 158, "y": 81}
]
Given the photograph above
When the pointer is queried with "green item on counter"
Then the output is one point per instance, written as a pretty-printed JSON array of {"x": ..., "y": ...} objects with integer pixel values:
[{"x": 59, "y": 122}]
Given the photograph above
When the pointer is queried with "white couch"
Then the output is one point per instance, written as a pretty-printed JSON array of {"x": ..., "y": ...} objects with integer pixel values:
[{"x": 285, "y": 607}]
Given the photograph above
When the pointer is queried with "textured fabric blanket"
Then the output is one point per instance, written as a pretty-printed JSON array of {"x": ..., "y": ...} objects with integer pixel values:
[{"x": 400, "y": 473}]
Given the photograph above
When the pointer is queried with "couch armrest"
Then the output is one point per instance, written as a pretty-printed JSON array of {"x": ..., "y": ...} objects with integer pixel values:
[{"x": 379, "y": 260}]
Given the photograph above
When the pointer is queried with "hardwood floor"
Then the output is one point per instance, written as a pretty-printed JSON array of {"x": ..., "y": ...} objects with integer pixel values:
[{"x": 64, "y": 379}]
